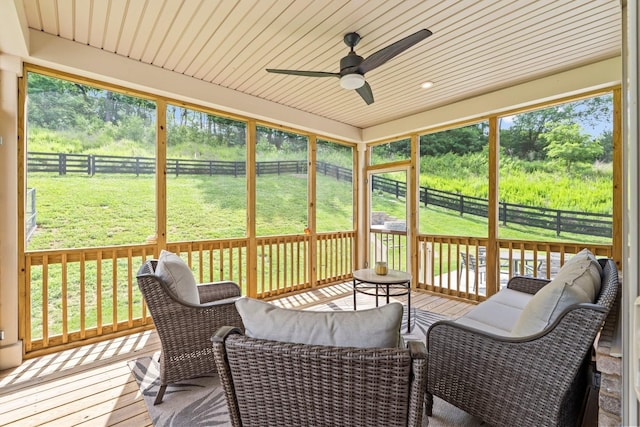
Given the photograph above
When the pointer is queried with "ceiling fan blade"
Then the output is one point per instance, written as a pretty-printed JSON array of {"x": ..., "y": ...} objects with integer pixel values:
[
  {"x": 304, "y": 73},
  {"x": 366, "y": 93},
  {"x": 383, "y": 55}
]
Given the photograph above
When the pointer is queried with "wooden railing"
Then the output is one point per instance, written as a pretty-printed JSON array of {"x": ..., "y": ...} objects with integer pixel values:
[
  {"x": 457, "y": 266},
  {"x": 73, "y": 296},
  {"x": 389, "y": 246},
  {"x": 335, "y": 256},
  {"x": 81, "y": 294}
]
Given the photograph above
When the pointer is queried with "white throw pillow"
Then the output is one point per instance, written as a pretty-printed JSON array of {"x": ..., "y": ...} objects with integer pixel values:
[
  {"x": 178, "y": 276},
  {"x": 595, "y": 270},
  {"x": 578, "y": 281},
  {"x": 377, "y": 327}
]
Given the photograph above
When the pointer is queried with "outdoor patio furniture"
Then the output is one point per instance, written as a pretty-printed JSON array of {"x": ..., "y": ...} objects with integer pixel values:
[
  {"x": 185, "y": 328},
  {"x": 468, "y": 262},
  {"x": 550, "y": 268},
  {"x": 275, "y": 383},
  {"x": 506, "y": 378}
]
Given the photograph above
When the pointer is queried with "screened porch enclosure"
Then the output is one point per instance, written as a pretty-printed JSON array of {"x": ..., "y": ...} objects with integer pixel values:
[{"x": 275, "y": 209}]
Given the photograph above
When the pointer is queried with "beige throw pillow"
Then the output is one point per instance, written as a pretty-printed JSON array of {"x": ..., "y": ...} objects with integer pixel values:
[
  {"x": 178, "y": 276},
  {"x": 378, "y": 327},
  {"x": 595, "y": 270},
  {"x": 578, "y": 281}
]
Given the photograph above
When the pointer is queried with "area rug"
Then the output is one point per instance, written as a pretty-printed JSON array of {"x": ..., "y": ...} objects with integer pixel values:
[
  {"x": 195, "y": 402},
  {"x": 201, "y": 401}
]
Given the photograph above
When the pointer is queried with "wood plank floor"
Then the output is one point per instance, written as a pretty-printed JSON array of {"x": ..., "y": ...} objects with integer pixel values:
[{"x": 92, "y": 385}]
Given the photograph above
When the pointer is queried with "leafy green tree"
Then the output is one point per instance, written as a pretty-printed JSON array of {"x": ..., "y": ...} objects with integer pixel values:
[
  {"x": 606, "y": 141},
  {"x": 463, "y": 140},
  {"x": 594, "y": 111},
  {"x": 566, "y": 143},
  {"x": 59, "y": 104},
  {"x": 55, "y": 104},
  {"x": 283, "y": 140},
  {"x": 523, "y": 138}
]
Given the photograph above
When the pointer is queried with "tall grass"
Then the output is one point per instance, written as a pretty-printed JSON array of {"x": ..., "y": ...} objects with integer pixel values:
[{"x": 588, "y": 188}]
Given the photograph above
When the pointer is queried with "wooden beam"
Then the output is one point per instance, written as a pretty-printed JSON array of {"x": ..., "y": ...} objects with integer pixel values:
[{"x": 493, "y": 264}]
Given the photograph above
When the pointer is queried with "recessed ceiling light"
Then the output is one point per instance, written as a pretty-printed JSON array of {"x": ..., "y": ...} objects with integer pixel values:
[{"x": 427, "y": 85}]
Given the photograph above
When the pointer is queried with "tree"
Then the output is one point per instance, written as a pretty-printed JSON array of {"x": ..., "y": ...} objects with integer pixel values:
[
  {"x": 463, "y": 140},
  {"x": 566, "y": 143},
  {"x": 523, "y": 138},
  {"x": 606, "y": 141}
]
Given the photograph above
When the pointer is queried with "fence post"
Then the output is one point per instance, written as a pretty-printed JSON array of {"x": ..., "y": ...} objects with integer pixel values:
[
  {"x": 62, "y": 164},
  {"x": 235, "y": 169},
  {"x": 426, "y": 196},
  {"x": 137, "y": 166},
  {"x": 397, "y": 189},
  {"x": 177, "y": 168},
  {"x": 89, "y": 164},
  {"x": 504, "y": 216},
  {"x": 34, "y": 213},
  {"x": 461, "y": 204},
  {"x": 558, "y": 222},
  {"x": 210, "y": 167}
]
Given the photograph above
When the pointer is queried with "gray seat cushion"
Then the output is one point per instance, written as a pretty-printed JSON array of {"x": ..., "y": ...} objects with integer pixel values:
[{"x": 498, "y": 314}]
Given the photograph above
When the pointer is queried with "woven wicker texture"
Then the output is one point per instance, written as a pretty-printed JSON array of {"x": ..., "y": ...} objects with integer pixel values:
[
  {"x": 270, "y": 383},
  {"x": 185, "y": 330},
  {"x": 533, "y": 381}
]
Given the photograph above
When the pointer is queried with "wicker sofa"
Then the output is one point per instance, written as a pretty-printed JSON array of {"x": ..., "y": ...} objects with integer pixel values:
[{"x": 478, "y": 364}]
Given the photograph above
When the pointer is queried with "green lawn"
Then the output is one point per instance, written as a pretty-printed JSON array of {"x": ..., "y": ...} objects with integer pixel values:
[{"x": 81, "y": 211}]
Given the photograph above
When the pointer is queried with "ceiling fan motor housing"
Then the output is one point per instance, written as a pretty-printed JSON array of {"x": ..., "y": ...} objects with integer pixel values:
[{"x": 350, "y": 63}]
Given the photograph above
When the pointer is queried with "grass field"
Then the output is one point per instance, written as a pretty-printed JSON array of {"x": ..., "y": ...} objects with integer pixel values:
[{"x": 79, "y": 211}]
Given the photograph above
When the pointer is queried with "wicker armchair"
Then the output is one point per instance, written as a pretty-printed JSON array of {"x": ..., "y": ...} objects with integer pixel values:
[
  {"x": 184, "y": 329},
  {"x": 529, "y": 381},
  {"x": 272, "y": 383}
]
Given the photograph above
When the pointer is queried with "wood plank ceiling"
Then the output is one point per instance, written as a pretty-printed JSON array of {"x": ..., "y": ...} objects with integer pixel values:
[{"x": 477, "y": 46}]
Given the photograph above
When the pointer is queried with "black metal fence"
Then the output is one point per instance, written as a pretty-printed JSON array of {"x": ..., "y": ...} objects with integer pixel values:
[{"x": 592, "y": 224}]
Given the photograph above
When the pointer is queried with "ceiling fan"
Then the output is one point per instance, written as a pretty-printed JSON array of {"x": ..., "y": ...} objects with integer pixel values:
[{"x": 353, "y": 66}]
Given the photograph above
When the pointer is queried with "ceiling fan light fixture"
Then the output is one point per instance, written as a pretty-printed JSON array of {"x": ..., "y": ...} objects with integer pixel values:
[{"x": 352, "y": 81}]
